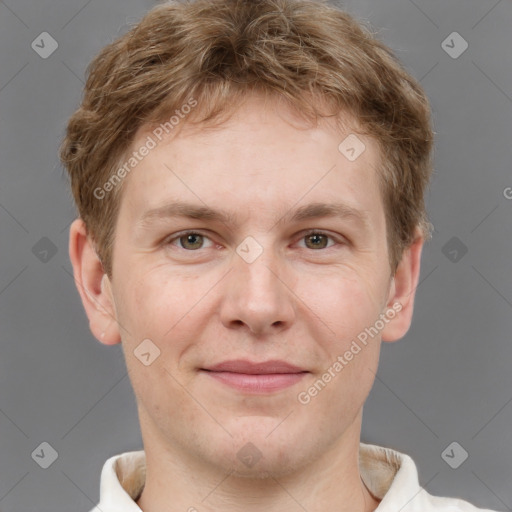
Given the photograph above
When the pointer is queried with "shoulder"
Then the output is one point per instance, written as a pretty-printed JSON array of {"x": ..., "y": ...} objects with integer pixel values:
[
  {"x": 440, "y": 504},
  {"x": 392, "y": 477}
]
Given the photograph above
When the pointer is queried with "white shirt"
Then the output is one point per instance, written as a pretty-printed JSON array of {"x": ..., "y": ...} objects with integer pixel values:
[{"x": 390, "y": 476}]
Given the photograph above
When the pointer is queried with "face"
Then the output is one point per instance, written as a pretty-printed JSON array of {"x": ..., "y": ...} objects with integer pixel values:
[{"x": 276, "y": 252}]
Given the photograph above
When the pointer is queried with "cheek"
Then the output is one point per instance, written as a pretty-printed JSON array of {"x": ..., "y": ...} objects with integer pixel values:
[
  {"x": 354, "y": 305},
  {"x": 168, "y": 310},
  {"x": 155, "y": 302},
  {"x": 346, "y": 301}
]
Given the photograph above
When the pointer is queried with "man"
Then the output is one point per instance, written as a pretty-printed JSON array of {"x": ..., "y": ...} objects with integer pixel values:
[{"x": 249, "y": 178}]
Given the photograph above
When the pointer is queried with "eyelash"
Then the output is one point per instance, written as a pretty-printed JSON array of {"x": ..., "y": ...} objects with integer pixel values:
[{"x": 310, "y": 232}]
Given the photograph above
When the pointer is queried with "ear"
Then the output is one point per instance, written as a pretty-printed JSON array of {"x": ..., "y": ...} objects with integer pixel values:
[
  {"x": 93, "y": 285},
  {"x": 402, "y": 291}
]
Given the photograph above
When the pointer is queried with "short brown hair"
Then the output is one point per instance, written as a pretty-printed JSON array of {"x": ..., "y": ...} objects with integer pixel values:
[{"x": 218, "y": 51}]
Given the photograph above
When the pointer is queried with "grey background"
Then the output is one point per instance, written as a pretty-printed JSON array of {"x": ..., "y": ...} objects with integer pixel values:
[{"x": 448, "y": 380}]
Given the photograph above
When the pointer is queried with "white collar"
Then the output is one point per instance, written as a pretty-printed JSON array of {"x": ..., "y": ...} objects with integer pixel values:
[{"x": 390, "y": 475}]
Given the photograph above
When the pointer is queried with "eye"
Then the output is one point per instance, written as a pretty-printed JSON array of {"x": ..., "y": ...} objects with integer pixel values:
[
  {"x": 190, "y": 240},
  {"x": 317, "y": 239},
  {"x": 193, "y": 240}
]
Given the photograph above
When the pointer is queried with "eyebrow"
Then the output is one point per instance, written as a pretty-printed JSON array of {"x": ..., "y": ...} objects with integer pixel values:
[{"x": 306, "y": 212}]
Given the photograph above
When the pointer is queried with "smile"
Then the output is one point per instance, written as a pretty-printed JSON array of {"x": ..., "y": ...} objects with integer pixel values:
[{"x": 256, "y": 377}]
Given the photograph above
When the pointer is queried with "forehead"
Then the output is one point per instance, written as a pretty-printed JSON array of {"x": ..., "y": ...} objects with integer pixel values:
[{"x": 263, "y": 158}]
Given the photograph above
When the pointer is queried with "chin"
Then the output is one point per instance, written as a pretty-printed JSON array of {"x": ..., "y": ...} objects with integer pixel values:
[
  {"x": 253, "y": 453},
  {"x": 275, "y": 472},
  {"x": 270, "y": 465}
]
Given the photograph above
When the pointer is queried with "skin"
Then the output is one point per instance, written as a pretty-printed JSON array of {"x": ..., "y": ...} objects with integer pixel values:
[{"x": 201, "y": 303}]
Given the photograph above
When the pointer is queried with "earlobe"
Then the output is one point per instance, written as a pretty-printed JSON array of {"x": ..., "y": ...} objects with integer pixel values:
[
  {"x": 93, "y": 285},
  {"x": 403, "y": 291}
]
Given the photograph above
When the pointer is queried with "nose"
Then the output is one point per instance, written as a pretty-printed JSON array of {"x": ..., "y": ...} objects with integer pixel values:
[{"x": 257, "y": 296}]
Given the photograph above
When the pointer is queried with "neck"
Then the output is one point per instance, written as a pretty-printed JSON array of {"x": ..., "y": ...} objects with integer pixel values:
[{"x": 176, "y": 482}]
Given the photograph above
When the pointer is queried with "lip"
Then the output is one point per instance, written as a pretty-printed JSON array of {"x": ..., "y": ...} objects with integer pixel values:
[
  {"x": 248, "y": 367},
  {"x": 255, "y": 377}
]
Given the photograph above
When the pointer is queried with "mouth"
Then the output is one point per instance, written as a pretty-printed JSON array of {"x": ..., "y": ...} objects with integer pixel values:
[{"x": 254, "y": 377}]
